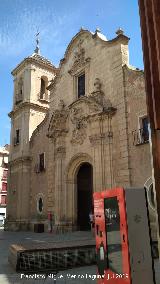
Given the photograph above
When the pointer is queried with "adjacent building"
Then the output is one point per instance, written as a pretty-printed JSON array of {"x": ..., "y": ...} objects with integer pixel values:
[
  {"x": 75, "y": 129},
  {"x": 4, "y": 153}
]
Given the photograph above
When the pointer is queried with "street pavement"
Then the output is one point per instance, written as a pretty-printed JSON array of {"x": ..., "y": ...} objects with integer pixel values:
[{"x": 80, "y": 275}]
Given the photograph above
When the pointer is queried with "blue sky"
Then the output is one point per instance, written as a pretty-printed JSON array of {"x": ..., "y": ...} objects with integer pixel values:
[{"x": 58, "y": 21}]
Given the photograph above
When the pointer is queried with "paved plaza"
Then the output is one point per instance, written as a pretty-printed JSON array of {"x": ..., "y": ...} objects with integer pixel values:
[
  {"x": 9, "y": 276},
  {"x": 74, "y": 276}
]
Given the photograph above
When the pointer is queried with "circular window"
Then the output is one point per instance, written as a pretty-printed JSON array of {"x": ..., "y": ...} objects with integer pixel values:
[{"x": 40, "y": 205}]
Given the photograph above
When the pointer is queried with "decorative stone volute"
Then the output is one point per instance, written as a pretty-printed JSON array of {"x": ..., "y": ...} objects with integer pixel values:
[
  {"x": 57, "y": 126},
  {"x": 87, "y": 109}
]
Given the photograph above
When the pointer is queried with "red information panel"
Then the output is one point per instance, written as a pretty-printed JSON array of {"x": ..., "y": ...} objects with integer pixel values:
[{"x": 111, "y": 237}]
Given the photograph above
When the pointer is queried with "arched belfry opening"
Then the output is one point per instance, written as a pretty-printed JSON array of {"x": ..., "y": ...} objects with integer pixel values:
[
  {"x": 43, "y": 88},
  {"x": 84, "y": 195}
]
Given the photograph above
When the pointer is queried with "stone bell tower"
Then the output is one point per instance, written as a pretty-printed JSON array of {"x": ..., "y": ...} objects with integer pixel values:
[{"x": 30, "y": 105}]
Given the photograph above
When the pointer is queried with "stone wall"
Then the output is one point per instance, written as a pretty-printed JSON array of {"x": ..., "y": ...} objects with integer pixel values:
[
  {"x": 91, "y": 129},
  {"x": 139, "y": 153},
  {"x": 39, "y": 179}
]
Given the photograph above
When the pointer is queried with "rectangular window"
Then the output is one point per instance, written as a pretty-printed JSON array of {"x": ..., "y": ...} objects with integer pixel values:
[
  {"x": 81, "y": 85},
  {"x": 144, "y": 132},
  {"x": 42, "y": 162},
  {"x": 43, "y": 89},
  {"x": 17, "y": 137}
]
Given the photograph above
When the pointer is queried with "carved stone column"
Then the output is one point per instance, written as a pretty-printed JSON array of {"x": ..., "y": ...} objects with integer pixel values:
[{"x": 57, "y": 132}]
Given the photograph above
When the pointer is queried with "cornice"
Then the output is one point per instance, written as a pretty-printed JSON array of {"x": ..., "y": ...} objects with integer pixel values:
[
  {"x": 120, "y": 38},
  {"x": 132, "y": 68},
  {"x": 32, "y": 60},
  {"x": 27, "y": 105}
]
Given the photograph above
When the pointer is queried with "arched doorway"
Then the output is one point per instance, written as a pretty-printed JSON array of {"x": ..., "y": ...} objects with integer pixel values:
[{"x": 84, "y": 195}]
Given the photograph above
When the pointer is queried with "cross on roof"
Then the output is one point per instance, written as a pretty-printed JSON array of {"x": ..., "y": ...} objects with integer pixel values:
[{"x": 37, "y": 50}]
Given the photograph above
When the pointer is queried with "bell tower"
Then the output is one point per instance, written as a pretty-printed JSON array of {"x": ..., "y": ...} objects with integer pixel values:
[{"x": 30, "y": 106}]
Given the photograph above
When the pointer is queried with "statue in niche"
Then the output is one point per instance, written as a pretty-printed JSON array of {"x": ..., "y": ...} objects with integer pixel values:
[
  {"x": 98, "y": 95},
  {"x": 97, "y": 85}
]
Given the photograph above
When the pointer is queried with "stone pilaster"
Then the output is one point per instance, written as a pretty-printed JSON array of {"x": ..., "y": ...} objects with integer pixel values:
[
  {"x": 60, "y": 204},
  {"x": 101, "y": 142}
]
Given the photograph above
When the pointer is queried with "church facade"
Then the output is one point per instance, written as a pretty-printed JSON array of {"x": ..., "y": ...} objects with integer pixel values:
[{"x": 76, "y": 129}]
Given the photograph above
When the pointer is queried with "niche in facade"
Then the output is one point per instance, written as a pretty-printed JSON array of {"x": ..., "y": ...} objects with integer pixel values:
[{"x": 20, "y": 90}]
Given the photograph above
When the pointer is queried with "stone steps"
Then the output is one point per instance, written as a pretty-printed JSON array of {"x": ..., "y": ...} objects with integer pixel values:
[{"x": 52, "y": 256}]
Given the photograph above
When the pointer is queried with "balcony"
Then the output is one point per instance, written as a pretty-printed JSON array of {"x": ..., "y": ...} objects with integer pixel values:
[{"x": 140, "y": 136}]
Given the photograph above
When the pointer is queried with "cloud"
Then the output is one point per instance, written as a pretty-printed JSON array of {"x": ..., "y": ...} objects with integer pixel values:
[{"x": 17, "y": 31}]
